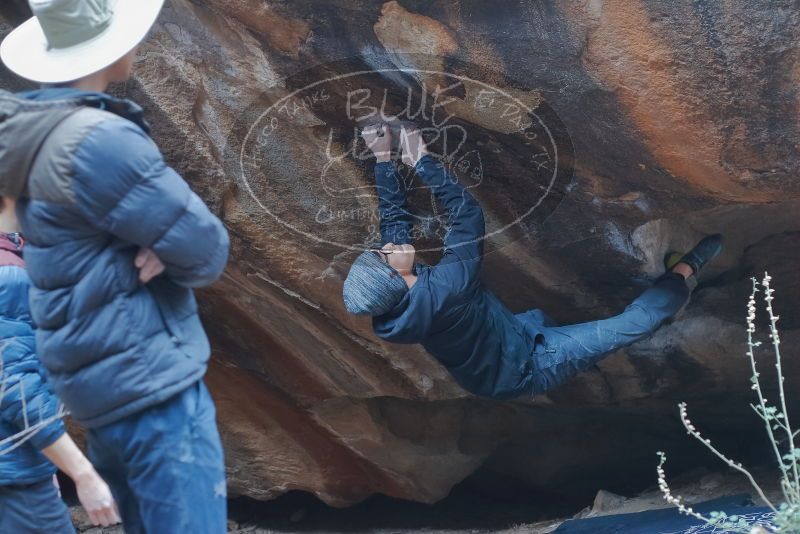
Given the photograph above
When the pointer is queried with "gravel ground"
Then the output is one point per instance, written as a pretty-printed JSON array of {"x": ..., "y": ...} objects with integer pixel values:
[{"x": 465, "y": 513}]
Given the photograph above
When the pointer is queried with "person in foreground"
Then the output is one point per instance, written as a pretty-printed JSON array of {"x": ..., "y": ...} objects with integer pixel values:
[
  {"x": 31, "y": 430},
  {"x": 445, "y": 307},
  {"x": 116, "y": 240}
]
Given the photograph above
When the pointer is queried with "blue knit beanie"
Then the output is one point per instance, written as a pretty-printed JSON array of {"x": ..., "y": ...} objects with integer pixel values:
[{"x": 372, "y": 287}]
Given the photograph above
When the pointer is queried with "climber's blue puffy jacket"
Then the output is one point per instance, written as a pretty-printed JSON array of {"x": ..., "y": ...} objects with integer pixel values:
[
  {"x": 94, "y": 190},
  {"x": 27, "y": 401},
  {"x": 449, "y": 310}
]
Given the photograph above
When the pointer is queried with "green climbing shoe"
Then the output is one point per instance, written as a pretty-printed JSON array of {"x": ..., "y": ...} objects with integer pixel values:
[
  {"x": 707, "y": 249},
  {"x": 671, "y": 259}
]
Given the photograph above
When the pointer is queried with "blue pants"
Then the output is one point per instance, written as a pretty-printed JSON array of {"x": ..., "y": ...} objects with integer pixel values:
[
  {"x": 561, "y": 352},
  {"x": 33, "y": 509},
  {"x": 165, "y": 466}
]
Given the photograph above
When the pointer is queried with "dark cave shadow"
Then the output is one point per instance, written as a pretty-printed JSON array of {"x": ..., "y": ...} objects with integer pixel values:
[{"x": 468, "y": 507}]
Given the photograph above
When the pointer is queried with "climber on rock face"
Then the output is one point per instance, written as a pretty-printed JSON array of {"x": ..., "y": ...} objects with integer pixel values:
[{"x": 445, "y": 307}]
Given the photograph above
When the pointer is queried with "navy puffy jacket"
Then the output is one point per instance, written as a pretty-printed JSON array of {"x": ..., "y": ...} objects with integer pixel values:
[
  {"x": 449, "y": 310},
  {"x": 98, "y": 191},
  {"x": 22, "y": 376}
]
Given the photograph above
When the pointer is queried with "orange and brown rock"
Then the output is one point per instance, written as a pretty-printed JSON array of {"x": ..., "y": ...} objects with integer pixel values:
[
  {"x": 401, "y": 30},
  {"x": 683, "y": 119}
]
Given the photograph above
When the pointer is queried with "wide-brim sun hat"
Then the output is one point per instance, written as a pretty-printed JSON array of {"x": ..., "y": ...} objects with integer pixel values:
[{"x": 70, "y": 39}]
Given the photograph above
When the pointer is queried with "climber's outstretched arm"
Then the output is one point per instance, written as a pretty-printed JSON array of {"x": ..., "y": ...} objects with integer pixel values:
[
  {"x": 395, "y": 219},
  {"x": 463, "y": 242},
  {"x": 396, "y": 223},
  {"x": 459, "y": 267}
]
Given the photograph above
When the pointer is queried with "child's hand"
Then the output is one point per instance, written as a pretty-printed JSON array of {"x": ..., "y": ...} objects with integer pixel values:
[
  {"x": 148, "y": 264},
  {"x": 96, "y": 498},
  {"x": 378, "y": 139}
]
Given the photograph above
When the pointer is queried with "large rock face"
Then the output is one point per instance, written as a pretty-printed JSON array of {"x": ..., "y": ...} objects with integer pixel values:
[{"x": 596, "y": 134}]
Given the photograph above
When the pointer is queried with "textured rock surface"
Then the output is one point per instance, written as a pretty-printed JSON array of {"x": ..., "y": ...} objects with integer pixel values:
[{"x": 684, "y": 118}]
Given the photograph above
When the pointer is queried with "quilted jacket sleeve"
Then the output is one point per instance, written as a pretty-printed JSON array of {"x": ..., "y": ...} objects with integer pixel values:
[
  {"x": 22, "y": 380},
  {"x": 123, "y": 186}
]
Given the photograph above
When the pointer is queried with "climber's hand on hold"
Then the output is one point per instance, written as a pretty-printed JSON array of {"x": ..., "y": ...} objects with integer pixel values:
[
  {"x": 412, "y": 145},
  {"x": 148, "y": 264},
  {"x": 378, "y": 139}
]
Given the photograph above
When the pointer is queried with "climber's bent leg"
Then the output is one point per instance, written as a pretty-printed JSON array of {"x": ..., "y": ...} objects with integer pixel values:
[
  {"x": 536, "y": 317},
  {"x": 568, "y": 350},
  {"x": 533, "y": 321}
]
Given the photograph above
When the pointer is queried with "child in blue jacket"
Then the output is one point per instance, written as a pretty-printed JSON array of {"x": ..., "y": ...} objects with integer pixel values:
[
  {"x": 445, "y": 307},
  {"x": 32, "y": 434}
]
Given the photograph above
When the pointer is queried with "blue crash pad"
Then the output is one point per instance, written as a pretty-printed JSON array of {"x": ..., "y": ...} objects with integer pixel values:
[{"x": 669, "y": 520}]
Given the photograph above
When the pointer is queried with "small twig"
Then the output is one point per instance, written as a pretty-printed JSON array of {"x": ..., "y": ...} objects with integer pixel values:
[
  {"x": 707, "y": 443},
  {"x": 762, "y": 402},
  {"x": 776, "y": 341},
  {"x": 20, "y": 438},
  {"x": 677, "y": 501},
  {"x": 10, "y": 443}
]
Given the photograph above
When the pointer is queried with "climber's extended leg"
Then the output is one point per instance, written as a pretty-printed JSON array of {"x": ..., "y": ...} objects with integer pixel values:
[
  {"x": 563, "y": 351},
  {"x": 568, "y": 350}
]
